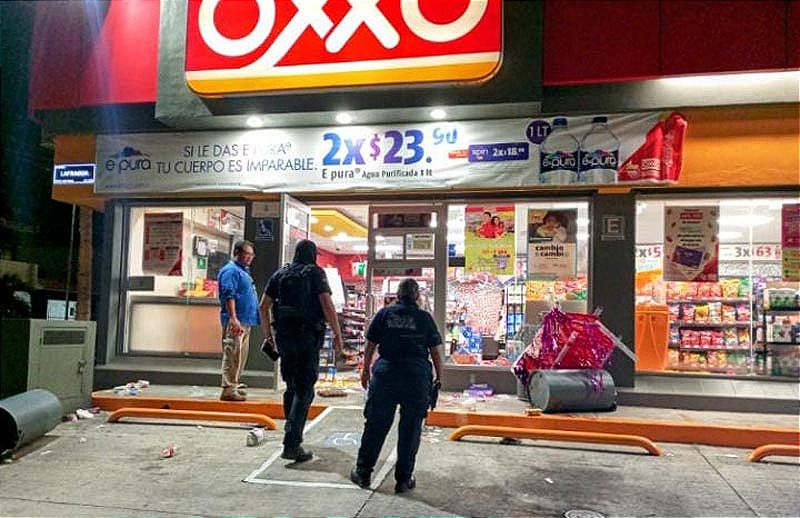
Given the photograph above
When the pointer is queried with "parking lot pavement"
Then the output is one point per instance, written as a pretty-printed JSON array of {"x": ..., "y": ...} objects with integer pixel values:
[{"x": 93, "y": 468}]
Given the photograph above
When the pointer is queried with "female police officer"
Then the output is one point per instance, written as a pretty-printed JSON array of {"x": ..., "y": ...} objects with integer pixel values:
[{"x": 406, "y": 337}]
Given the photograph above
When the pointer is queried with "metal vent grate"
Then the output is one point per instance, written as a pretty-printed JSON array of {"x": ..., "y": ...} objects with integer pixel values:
[{"x": 63, "y": 336}]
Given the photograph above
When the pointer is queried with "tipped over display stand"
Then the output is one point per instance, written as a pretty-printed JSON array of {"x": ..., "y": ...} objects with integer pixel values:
[{"x": 562, "y": 368}]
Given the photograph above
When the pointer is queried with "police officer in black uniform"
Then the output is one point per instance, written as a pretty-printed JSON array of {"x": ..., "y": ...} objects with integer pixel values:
[
  {"x": 298, "y": 340},
  {"x": 406, "y": 337}
]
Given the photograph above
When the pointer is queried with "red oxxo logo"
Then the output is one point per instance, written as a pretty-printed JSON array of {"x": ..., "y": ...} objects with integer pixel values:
[{"x": 247, "y": 46}]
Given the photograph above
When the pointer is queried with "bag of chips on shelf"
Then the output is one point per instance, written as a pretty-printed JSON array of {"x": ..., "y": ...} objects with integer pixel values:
[
  {"x": 715, "y": 312},
  {"x": 674, "y": 312},
  {"x": 701, "y": 313},
  {"x": 705, "y": 338},
  {"x": 717, "y": 339},
  {"x": 730, "y": 338},
  {"x": 728, "y": 313},
  {"x": 687, "y": 313},
  {"x": 730, "y": 288},
  {"x": 743, "y": 312},
  {"x": 744, "y": 337}
]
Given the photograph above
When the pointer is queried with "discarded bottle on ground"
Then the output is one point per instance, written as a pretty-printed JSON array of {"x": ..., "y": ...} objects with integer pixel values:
[{"x": 256, "y": 436}]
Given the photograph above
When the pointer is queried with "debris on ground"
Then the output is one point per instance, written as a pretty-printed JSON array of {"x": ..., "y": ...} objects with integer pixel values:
[
  {"x": 84, "y": 414},
  {"x": 331, "y": 392},
  {"x": 511, "y": 441},
  {"x": 168, "y": 452},
  {"x": 549, "y": 480},
  {"x": 132, "y": 388},
  {"x": 70, "y": 418}
]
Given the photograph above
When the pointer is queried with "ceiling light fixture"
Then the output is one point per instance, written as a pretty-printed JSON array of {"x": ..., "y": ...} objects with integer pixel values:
[
  {"x": 438, "y": 114},
  {"x": 328, "y": 228},
  {"x": 255, "y": 121},
  {"x": 344, "y": 118},
  {"x": 314, "y": 220}
]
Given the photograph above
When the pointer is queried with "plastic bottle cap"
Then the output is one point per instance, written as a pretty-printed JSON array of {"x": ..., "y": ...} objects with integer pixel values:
[
  {"x": 600, "y": 119},
  {"x": 560, "y": 121}
]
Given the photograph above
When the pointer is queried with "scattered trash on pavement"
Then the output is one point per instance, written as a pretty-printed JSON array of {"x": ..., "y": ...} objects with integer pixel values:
[
  {"x": 82, "y": 439},
  {"x": 168, "y": 452},
  {"x": 512, "y": 441},
  {"x": 46, "y": 452},
  {"x": 84, "y": 414},
  {"x": 256, "y": 437},
  {"x": 548, "y": 480},
  {"x": 731, "y": 456},
  {"x": 331, "y": 392},
  {"x": 70, "y": 418},
  {"x": 99, "y": 426}
]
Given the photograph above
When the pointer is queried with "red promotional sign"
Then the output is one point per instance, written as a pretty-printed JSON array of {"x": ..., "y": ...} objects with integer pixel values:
[{"x": 237, "y": 46}]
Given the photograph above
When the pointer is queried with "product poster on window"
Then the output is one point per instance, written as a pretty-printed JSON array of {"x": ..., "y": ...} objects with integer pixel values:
[
  {"x": 552, "y": 244},
  {"x": 691, "y": 244},
  {"x": 489, "y": 239},
  {"x": 790, "y": 242},
  {"x": 163, "y": 243}
]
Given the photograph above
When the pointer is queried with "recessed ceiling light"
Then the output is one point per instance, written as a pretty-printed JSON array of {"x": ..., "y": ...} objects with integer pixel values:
[
  {"x": 328, "y": 228},
  {"x": 438, "y": 113},
  {"x": 314, "y": 220},
  {"x": 343, "y": 118},
  {"x": 254, "y": 121}
]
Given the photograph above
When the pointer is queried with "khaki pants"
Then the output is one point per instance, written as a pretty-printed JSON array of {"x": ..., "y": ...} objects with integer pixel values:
[{"x": 234, "y": 357}]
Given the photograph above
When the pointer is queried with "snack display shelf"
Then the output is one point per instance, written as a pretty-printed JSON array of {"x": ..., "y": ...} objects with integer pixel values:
[
  {"x": 705, "y": 300},
  {"x": 708, "y": 324},
  {"x": 782, "y": 311},
  {"x": 714, "y": 370},
  {"x": 701, "y": 348}
]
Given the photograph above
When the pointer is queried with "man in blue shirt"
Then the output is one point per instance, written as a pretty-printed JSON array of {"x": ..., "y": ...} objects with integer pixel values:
[{"x": 238, "y": 313}]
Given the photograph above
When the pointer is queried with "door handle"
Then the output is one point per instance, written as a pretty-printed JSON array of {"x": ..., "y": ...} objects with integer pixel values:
[{"x": 81, "y": 365}]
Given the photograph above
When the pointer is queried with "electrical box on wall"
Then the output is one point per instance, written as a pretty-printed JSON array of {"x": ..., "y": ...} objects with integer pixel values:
[{"x": 56, "y": 355}]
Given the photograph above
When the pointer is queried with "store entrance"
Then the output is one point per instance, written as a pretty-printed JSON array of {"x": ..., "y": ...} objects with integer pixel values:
[{"x": 408, "y": 241}]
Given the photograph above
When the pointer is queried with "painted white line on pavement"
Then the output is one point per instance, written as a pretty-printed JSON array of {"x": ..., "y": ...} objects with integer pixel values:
[
  {"x": 305, "y": 484},
  {"x": 387, "y": 465}
]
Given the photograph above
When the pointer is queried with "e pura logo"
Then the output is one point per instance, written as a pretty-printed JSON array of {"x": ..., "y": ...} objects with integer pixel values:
[{"x": 236, "y": 46}]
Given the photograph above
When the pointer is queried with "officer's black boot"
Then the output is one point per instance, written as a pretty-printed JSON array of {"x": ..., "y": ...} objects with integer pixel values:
[
  {"x": 297, "y": 454},
  {"x": 362, "y": 481},
  {"x": 405, "y": 485}
]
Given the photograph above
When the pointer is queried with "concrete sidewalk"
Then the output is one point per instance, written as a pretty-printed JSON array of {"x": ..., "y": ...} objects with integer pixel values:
[{"x": 94, "y": 468}]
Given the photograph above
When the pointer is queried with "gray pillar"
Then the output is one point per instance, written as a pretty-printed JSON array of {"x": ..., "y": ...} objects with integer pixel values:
[
  {"x": 612, "y": 273},
  {"x": 267, "y": 260}
]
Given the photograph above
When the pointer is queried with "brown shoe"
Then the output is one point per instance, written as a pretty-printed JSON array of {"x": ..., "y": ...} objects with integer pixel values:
[{"x": 232, "y": 395}]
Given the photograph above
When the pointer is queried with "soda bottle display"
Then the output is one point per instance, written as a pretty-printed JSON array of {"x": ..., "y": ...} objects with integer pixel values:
[
  {"x": 599, "y": 154},
  {"x": 558, "y": 155}
]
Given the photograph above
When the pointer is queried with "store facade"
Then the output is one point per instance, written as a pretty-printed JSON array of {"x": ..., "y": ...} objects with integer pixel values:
[{"x": 473, "y": 208}]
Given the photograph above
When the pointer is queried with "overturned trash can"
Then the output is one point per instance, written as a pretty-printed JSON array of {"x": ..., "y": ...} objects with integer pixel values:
[
  {"x": 572, "y": 390},
  {"x": 27, "y": 416}
]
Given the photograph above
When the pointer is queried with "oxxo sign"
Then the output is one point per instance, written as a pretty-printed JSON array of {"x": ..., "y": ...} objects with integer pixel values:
[{"x": 237, "y": 46}]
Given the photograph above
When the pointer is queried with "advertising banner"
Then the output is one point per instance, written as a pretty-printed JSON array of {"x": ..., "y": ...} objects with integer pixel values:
[
  {"x": 163, "y": 244},
  {"x": 552, "y": 244},
  {"x": 628, "y": 148},
  {"x": 489, "y": 239},
  {"x": 691, "y": 245},
  {"x": 790, "y": 241}
]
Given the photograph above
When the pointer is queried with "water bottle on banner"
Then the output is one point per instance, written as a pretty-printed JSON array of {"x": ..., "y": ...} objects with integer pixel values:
[
  {"x": 558, "y": 155},
  {"x": 599, "y": 154}
]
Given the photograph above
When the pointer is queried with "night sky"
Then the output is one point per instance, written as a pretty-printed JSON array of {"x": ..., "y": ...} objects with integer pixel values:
[{"x": 33, "y": 228}]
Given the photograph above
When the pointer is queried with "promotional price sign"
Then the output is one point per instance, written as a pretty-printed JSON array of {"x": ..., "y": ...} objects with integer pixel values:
[
  {"x": 790, "y": 240},
  {"x": 691, "y": 246},
  {"x": 163, "y": 244},
  {"x": 271, "y": 45},
  {"x": 489, "y": 239},
  {"x": 507, "y": 153},
  {"x": 552, "y": 243}
]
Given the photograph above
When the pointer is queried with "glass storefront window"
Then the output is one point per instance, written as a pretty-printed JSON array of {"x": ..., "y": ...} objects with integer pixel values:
[
  {"x": 510, "y": 262},
  {"x": 174, "y": 255},
  {"x": 724, "y": 327}
]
